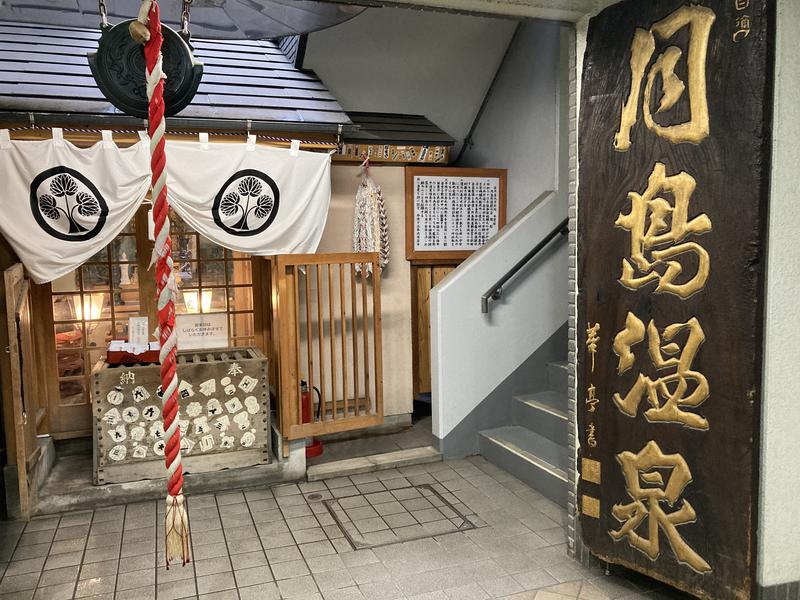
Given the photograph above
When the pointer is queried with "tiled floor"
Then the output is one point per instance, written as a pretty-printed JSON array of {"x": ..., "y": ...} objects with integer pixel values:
[{"x": 284, "y": 542}]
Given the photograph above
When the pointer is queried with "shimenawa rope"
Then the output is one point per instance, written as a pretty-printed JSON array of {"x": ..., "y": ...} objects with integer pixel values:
[{"x": 147, "y": 29}]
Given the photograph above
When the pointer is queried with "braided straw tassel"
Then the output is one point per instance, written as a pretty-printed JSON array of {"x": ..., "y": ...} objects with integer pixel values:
[
  {"x": 383, "y": 231},
  {"x": 176, "y": 519},
  {"x": 370, "y": 224}
]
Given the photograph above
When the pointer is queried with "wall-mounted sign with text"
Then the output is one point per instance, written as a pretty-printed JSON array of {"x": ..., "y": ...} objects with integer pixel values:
[
  {"x": 202, "y": 331},
  {"x": 452, "y": 212}
]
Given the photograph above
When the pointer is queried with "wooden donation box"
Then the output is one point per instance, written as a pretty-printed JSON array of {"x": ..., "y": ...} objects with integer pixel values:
[{"x": 223, "y": 415}]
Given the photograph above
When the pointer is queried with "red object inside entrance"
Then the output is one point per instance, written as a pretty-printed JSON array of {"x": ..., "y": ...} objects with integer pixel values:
[
  {"x": 313, "y": 445},
  {"x": 305, "y": 402}
]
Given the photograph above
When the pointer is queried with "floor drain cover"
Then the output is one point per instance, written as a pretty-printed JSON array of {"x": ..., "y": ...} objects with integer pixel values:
[{"x": 399, "y": 515}]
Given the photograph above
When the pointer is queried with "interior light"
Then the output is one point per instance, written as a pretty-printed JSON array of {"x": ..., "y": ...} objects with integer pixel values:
[
  {"x": 91, "y": 309},
  {"x": 190, "y": 301}
]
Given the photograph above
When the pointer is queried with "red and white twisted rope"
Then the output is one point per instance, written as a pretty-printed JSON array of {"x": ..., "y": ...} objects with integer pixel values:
[{"x": 177, "y": 529}]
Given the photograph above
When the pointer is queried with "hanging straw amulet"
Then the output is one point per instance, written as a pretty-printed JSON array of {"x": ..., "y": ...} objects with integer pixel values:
[{"x": 139, "y": 32}]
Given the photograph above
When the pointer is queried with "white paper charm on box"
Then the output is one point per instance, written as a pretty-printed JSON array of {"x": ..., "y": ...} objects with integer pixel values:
[{"x": 138, "y": 334}]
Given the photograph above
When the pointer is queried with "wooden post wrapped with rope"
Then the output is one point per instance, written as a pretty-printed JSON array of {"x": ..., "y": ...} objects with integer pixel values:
[{"x": 147, "y": 29}]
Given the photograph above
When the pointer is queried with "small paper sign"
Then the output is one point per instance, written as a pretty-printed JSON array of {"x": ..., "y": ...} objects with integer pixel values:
[
  {"x": 138, "y": 334},
  {"x": 202, "y": 331}
]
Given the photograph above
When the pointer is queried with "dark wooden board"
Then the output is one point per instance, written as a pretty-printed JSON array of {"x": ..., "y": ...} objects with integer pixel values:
[{"x": 731, "y": 168}]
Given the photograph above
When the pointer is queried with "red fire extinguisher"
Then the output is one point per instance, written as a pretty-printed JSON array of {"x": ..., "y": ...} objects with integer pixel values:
[
  {"x": 305, "y": 401},
  {"x": 313, "y": 445}
]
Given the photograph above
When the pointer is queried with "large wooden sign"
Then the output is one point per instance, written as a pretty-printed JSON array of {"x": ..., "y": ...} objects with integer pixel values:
[{"x": 674, "y": 157}]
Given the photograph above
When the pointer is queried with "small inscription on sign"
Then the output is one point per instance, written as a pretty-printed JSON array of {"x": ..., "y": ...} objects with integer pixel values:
[{"x": 202, "y": 331}]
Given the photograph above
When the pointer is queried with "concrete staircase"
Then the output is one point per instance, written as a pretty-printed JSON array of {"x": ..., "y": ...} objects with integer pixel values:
[{"x": 534, "y": 447}]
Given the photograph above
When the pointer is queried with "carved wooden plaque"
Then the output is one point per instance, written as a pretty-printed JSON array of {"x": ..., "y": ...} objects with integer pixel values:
[{"x": 674, "y": 141}]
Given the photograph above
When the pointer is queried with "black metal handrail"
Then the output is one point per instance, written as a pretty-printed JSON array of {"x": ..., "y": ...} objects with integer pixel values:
[{"x": 496, "y": 290}]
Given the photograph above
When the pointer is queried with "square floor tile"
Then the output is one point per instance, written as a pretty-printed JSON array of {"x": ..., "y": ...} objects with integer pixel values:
[
  {"x": 218, "y": 582},
  {"x": 173, "y": 590},
  {"x": 95, "y": 586},
  {"x": 297, "y": 587},
  {"x": 134, "y": 579},
  {"x": 264, "y": 591},
  {"x": 290, "y": 569},
  {"x": 55, "y": 592},
  {"x": 252, "y": 576},
  {"x": 18, "y": 583},
  {"x": 271, "y": 541}
]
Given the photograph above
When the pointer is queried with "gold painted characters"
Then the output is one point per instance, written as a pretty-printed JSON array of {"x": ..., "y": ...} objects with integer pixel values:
[
  {"x": 680, "y": 388},
  {"x": 699, "y": 20},
  {"x": 650, "y": 497},
  {"x": 658, "y": 231}
]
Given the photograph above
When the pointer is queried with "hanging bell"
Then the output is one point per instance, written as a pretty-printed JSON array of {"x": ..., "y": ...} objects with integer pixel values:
[{"x": 118, "y": 66}]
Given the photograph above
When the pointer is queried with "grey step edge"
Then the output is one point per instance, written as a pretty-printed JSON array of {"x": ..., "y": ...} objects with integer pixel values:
[
  {"x": 374, "y": 462},
  {"x": 558, "y": 376},
  {"x": 542, "y": 413},
  {"x": 529, "y": 457}
]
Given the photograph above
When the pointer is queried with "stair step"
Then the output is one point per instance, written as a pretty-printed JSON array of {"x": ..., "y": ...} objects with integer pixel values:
[
  {"x": 533, "y": 458},
  {"x": 558, "y": 376},
  {"x": 544, "y": 413},
  {"x": 552, "y": 402},
  {"x": 375, "y": 462}
]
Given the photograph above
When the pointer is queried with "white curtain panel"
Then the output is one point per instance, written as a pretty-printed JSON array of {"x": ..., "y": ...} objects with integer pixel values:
[
  {"x": 61, "y": 204},
  {"x": 254, "y": 199}
]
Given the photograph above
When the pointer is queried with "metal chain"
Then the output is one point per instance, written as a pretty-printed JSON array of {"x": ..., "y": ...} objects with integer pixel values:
[
  {"x": 184, "y": 17},
  {"x": 103, "y": 14}
]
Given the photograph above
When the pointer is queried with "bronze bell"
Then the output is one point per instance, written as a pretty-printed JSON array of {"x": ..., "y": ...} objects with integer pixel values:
[{"x": 118, "y": 67}]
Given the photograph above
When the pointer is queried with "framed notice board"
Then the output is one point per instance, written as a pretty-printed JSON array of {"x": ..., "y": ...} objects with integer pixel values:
[{"x": 452, "y": 212}]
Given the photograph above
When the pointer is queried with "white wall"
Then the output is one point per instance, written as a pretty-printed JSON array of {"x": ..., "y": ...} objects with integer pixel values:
[
  {"x": 409, "y": 61},
  {"x": 779, "y": 522},
  {"x": 518, "y": 129},
  {"x": 395, "y": 279},
  {"x": 473, "y": 352}
]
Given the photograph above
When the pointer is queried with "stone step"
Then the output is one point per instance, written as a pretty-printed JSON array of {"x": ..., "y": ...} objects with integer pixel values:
[
  {"x": 544, "y": 413},
  {"x": 375, "y": 462},
  {"x": 58, "y": 497},
  {"x": 557, "y": 376},
  {"x": 536, "y": 460}
]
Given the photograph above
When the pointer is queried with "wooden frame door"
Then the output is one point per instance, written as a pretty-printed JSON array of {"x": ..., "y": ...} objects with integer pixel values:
[
  {"x": 423, "y": 278},
  {"x": 28, "y": 411}
]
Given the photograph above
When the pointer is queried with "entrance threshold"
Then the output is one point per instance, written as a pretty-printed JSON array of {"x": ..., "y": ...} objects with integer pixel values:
[
  {"x": 69, "y": 486},
  {"x": 374, "y": 462}
]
